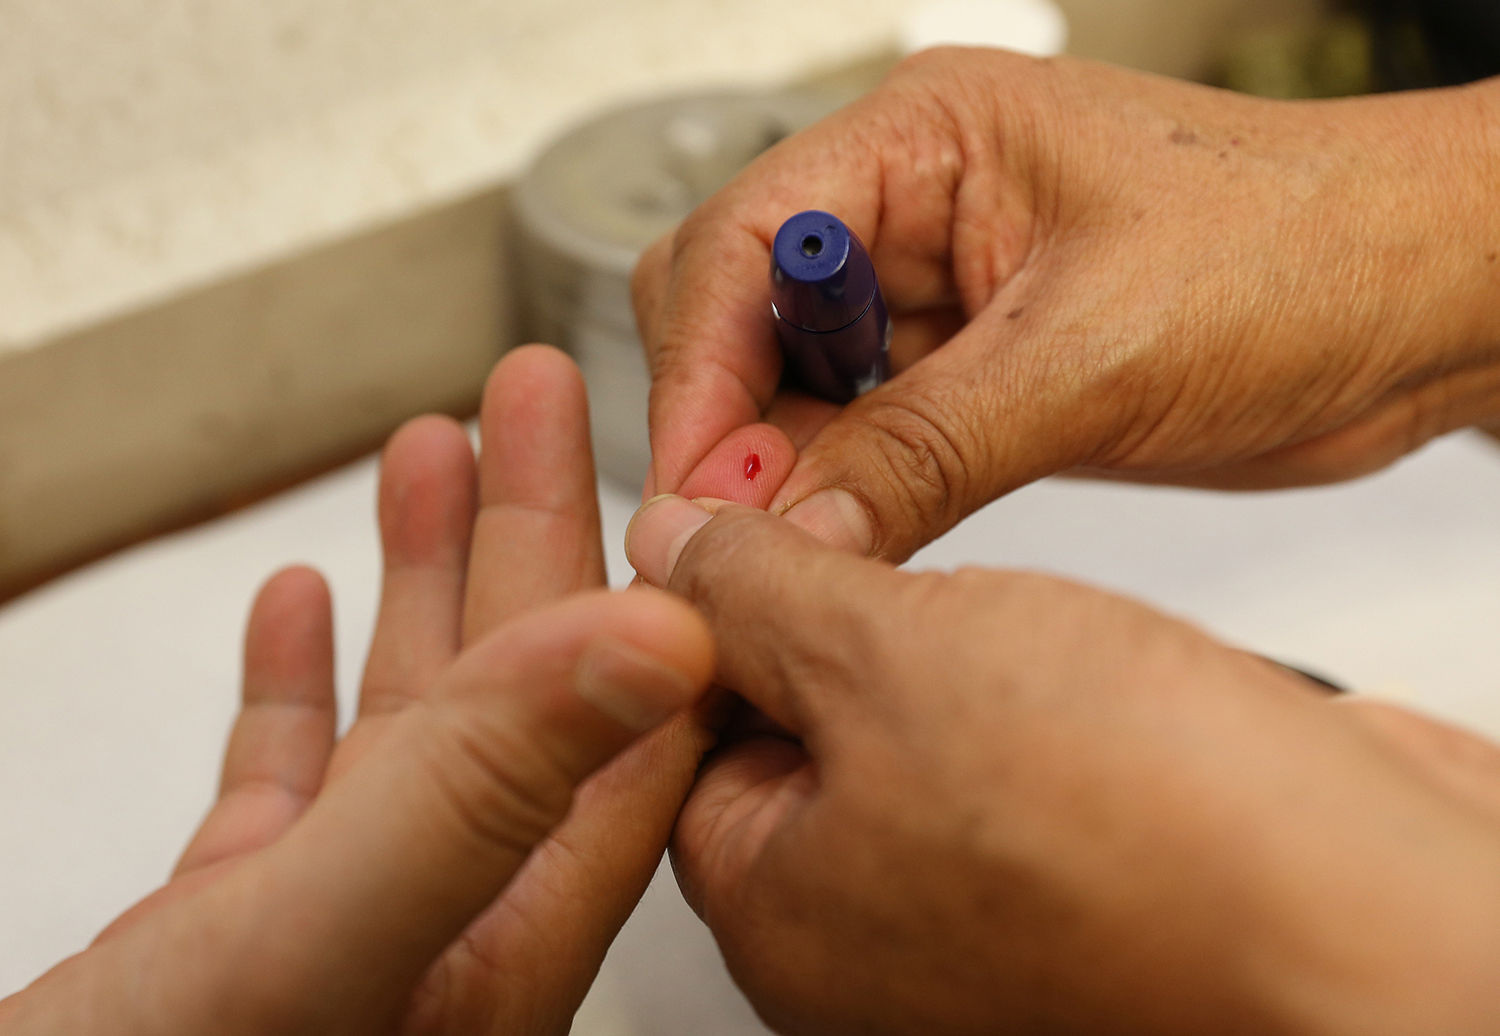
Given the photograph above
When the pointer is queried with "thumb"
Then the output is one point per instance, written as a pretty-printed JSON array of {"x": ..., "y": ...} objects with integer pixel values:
[
  {"x": 982, "y": 415},
  {"x": 800, "y": 626},
  {"x": 422, "y": 833}
]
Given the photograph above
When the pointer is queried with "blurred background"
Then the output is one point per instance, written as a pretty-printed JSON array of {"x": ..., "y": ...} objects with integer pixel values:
[{"x": 241, "y": 242}]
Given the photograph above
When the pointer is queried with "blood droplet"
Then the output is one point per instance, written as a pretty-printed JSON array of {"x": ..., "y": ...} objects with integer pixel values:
[{"x": 752, "y": 467}]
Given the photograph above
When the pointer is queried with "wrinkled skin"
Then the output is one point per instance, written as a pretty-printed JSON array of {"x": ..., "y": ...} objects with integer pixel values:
[
  {"x": 1097, "y": 271},
  {"x": 1002, "y": 802}
]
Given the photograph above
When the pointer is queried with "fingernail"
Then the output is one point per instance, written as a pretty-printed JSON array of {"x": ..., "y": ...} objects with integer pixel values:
[
  {"x": 629, "y": 685},
  {"x": 836, "y": 518},
  {"x": 657, "y": 534}
]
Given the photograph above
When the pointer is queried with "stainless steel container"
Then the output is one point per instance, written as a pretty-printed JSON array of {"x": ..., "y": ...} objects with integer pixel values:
[{"x": 590, "y": 205}]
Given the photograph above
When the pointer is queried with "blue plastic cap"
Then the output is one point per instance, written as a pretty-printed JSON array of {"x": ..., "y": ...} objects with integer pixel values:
[
  {"x": 833, "y": 326},
  {"x": 821, "y": 276}
]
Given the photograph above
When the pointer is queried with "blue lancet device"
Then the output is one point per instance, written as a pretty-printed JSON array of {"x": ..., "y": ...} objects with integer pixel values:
[{"x": 831, "y": 319}]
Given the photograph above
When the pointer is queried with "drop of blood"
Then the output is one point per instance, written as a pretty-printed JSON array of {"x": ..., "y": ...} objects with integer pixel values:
[{"x": 752, "y": 467}]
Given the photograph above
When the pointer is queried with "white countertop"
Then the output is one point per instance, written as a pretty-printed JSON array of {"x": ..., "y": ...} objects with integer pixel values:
[{"x": 117, "y": 683}]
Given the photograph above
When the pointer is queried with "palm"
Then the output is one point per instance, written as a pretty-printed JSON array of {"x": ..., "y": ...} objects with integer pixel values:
[{"x": 466, "y": 549}]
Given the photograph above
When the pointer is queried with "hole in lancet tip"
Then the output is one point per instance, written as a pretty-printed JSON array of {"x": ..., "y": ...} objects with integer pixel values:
[
  {"x": 812, "y": 246},
  {"x": 752, "y": 467}
]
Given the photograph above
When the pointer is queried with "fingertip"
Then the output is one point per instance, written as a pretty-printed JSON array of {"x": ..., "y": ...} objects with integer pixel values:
[
  {"x": 534, "y": 428},
  {"x": 657, "y": 534},
  {"x": 747, "y": 467},
  {"x": 527, "y": 367},
  {"x": 427, "y": 491},
  {"x": 534, "y": 389},
  {"x": 655, "y": 663},
  {"x": 289, "y": 638},
  {"x": 428, "y": 433},
  {"x": 692, "y": 409},
  {"x": 298, "y": 586},
  {"x": 292, "y": 598},
  {"x": 675, "y": 629}
]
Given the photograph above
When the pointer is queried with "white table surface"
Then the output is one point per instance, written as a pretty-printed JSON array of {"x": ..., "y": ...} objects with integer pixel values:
[{"x": 117, "y": 683}]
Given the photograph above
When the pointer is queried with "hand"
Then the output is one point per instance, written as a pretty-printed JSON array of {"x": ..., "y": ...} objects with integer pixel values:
[
  {"x": 1007, "y": 803},
  {"x": 1097, "y": 270},
  {"x": 426, "y": 874}
]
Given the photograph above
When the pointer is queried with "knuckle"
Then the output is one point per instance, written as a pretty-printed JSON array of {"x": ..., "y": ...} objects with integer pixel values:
[
  {"x": 931, "y": 593},
  {"x": 380, "y": 694},
  {"x": 971, "y": 601},
  {"x": 933, "y": 61},
  {"x": 952, "y": 601},
  {"x": 925, "y": 466},
  {"x": 951, "y": 71},
  {"x": 649, "y": 268},
  {"x": 1033, "y": 598},
  {"x": 649, "y": 283},
  {"x": 699, "y": 222}
]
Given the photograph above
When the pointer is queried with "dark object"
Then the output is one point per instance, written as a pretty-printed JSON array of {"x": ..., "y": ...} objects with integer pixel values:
[
  {"x": 1367, "y": 46},
  {"x": 1422, "y": 43},
  {"x": 830, "y": 316},
  {"x": 1321, "y": 682},
  {"x": 1328, "y": 57}
]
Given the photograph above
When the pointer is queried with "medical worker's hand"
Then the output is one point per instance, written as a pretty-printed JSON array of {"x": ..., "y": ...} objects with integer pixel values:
[
  {"x": 1004, "y": 803},
  {"x": 1093, "y": 270}
]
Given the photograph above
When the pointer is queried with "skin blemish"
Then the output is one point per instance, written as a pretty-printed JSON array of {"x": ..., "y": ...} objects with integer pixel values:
[
  {"x": 1015, "y": 314},
  {"x": 1184, "y": 136},
  {"x": 752, "y": 467}
]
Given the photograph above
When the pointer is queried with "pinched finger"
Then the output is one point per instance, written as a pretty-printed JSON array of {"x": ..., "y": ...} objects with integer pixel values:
[
  {"x": 712, "y": 348},
  {"x": 748, "y": 467}
]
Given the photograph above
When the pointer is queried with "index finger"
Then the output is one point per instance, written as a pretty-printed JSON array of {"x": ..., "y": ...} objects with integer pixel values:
[{"x": 885, "y": 166}]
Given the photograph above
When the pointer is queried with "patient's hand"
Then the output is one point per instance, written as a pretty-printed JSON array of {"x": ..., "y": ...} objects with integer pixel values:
[{"x": 425, "y": 873}]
